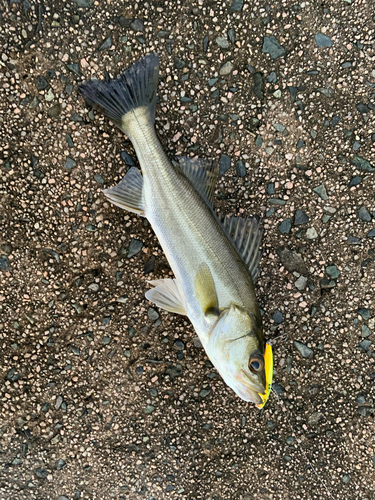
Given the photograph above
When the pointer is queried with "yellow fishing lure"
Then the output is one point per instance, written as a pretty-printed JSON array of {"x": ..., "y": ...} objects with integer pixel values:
[{"x": 268, "y": 366}]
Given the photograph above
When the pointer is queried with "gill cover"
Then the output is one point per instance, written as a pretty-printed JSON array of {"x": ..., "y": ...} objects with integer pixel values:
[{"x": 233, "y": 341}]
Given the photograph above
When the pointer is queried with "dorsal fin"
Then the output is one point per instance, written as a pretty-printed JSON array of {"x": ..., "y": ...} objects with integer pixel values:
[
  {"x": 202, "y": 174},
  {"x": 245, "y": 235}
]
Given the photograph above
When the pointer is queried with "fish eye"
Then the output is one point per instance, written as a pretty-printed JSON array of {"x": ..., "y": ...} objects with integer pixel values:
[{"x": 256, "y": 364}]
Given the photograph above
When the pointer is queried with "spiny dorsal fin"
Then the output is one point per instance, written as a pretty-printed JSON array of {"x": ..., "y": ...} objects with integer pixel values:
[
  {"x": 202, "y": 174},
  {"x": 127, "y": 193},
  {"x": 246, "y": 235},
  {"x": 168, "y": 295}
]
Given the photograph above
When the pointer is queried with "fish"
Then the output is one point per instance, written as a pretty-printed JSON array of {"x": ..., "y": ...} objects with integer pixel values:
[{"x": 214, "y": 259}]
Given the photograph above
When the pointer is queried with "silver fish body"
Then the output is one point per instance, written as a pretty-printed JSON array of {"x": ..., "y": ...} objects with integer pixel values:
[{"x": 213, "y": 285}]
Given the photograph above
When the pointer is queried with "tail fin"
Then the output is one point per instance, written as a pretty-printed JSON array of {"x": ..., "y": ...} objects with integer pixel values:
[{"x": 135, "y": 88}]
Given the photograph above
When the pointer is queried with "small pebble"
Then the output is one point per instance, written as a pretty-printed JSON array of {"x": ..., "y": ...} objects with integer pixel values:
[
  {"x": 364, "y": 214},
  {"x": 323, "y": 40},
  {"x": 321, "y": 191},
  {"x": 303, "y": 349},
  {"x": 311, "y": 233},
  {"x": 300, "y": 217},
  {"x": 285, "y": 226}
]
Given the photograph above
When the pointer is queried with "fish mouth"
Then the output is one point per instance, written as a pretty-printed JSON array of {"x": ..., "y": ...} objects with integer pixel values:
[{"x": 249, "y": 390}]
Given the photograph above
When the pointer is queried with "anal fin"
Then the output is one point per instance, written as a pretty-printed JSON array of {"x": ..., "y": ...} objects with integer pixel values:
[
  {"x": 168, "y": 295},
  {"x": 127, "y": 193}
]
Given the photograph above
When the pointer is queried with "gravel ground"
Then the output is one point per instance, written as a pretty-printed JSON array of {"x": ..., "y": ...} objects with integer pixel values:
[{"x": 103, "y": 396}]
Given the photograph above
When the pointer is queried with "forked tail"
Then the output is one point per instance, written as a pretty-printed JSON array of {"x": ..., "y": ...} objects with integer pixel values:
[{"x": 135, "y": 88}]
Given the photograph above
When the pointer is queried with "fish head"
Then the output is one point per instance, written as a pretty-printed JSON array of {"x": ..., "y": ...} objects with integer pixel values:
[{"x": 237, "y": 349}]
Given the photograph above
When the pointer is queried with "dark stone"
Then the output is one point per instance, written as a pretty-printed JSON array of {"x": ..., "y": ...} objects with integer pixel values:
[
  {"x": 240, "y": 168},
  {"x": 293, "y": 93},
  {"x": 137, "y": 25},
  {"x": 285, "y": 226},
  {"x": 333, "y": 271},
  {"x": 253, "y": 123},
  {"x": 326, "y": 284},
  {"x": 323, "y": 40},
  {"x": 12, "y": 375},
  {"x": 258, "y": 85},
  {"x": 272, "y": 77},
  {"x": 69, "y": 163},
  {"x": 178, "y": 63},
  {"x": 277, "y": 317},
  {"x": 99, "y": 179},
  {"x": 224, "y": 164},
  {"x": 204, "y": 392},
  {"x": 124, "y": 22},
  {"x": 362, "y": 108},
  {"x": 41, "y": 473},
  {"x": 364, "y": 214},
  {"x": 366, "y": 332},
  {"x": 278, "y": 388},
  {"x": 236, "y": 5},
  {"x": 107, "y": 44},
  {"x": 174, "y": 371},
  {"x": 54, "y": 110},
  {"x": 152, "y": 314},
  {"x": 328, "y": 92},
  {"x": 179, "y": 345},
  {"x": 362, "y": 163},
  {"x": 291, "y": 260},
  {"x": 365, "y": 345},
  {"x": 135, "y": 246},
  {"x": 69, "y": 140},
  {"x": 84, "y": 4},
  {"x": 60, "y": 464},
  {"x": 205, "y": 43},
  {"x": 300, "y": 217},
  {"x": 74, "y": 68},
  {"x": 7, "y": 248},
  {"x": 150, "y": 265},
  {"x": 272, "y": 47},
  {"x": 321, "y": 191},
  {"x": 129, "y": 161},
  {"x": 355, "y": 181},
  {"x": 271, "y": 188},
  {"x": 41, "y": 83},
  {"x": 371, "y": 234},
  {"x": 354, "y": 240},
  {"x": 305, "y": 351},
  {"x": 76, "y": 118},
  {"x": 300, "y": 143},
  {"x": 5, "y": 263},
  {"x": 232, "y": 35}
]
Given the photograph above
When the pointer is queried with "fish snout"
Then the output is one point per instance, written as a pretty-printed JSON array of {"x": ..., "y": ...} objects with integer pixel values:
[{"x": 250, "y": 389}]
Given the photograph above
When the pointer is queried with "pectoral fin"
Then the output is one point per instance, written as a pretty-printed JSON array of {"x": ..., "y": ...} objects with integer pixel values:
[
  {"x": 168, "y": 295},
  {"x": 127, "y": 193},
  {"x": 205, "y": 290}
]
